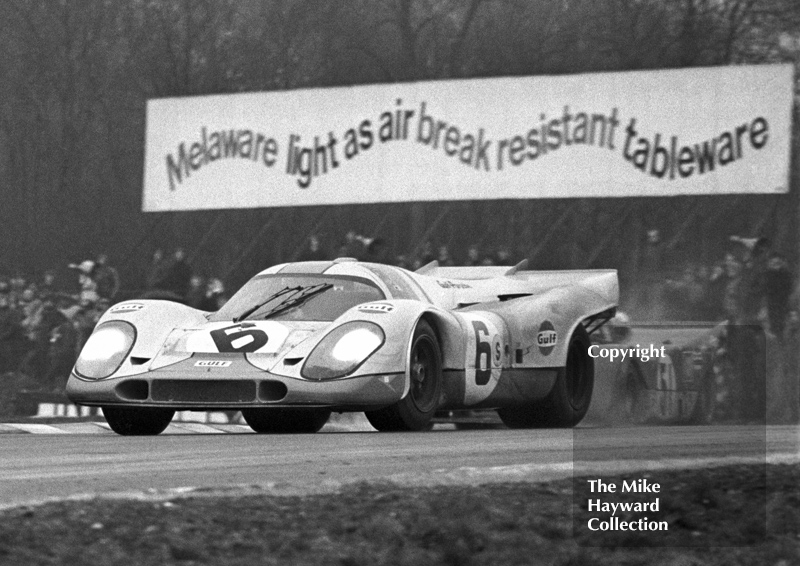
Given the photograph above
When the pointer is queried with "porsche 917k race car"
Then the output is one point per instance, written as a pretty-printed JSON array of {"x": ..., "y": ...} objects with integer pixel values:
[{"x": 301, "y": 340}]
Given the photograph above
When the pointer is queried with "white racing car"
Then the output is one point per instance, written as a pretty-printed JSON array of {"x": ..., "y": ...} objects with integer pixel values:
[{"x": 300, "y": 340}]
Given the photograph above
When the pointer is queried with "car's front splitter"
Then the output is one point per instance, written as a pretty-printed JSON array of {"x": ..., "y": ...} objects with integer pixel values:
[{"x": 236, "y": 385}]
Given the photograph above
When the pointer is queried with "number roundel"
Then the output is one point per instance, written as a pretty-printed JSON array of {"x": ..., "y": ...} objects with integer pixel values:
[
  {"x": 242, "y": 337},
  {"x": 484, "y": 358}
]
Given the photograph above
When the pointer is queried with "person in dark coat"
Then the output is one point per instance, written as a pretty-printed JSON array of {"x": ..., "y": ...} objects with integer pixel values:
[
  {"x": 13, "y": 343},
  {"x": 157, "y": 274},
  {"x": 313, "y": 252},
  {"x": 179, "y": 274},
  {"x": 778, "y": 288},
  {"x": 62, "y": 351},
  {"x": 106, "y": 277}
]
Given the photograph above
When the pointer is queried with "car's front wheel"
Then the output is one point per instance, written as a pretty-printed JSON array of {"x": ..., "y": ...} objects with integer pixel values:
[
  {"x": 416, "y": 409},
  {"x": 138, "y": 421},
  {"x": 286, "y": 420}
]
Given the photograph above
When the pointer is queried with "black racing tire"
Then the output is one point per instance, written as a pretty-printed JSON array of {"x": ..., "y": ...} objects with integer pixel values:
[
  {"x": 415, "y": 411},
  {"x": 286, "y": 420},
  {"x": 138, "y": 421},
  {"x": 568, "y": 400}
]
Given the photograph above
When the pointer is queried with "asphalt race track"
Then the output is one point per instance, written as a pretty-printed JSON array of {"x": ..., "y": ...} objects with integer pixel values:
[{"x": 38, "y": 467}]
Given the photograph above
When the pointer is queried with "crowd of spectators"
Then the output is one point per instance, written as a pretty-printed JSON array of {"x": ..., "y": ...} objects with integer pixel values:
[
  {"x": 44, "y": 326},
  {"x": 751, "y": 288},
  {"x": 750, "y": 284},
  {"x": 173, "y": 278},
  {"x": 375, "y": 249}
]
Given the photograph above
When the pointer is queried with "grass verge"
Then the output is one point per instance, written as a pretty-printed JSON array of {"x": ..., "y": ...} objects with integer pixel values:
[{"x": 514, "y": 523}]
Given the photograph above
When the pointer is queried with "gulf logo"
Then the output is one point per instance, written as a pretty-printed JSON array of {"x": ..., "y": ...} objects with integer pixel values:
[{"x": 547, "y": 338}]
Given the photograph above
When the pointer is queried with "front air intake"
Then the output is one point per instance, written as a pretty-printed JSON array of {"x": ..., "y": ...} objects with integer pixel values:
[
  {"x": 133, "y": 390},
  {"x": 206, "y": 391},
  {"x": 272, "y": 391}
]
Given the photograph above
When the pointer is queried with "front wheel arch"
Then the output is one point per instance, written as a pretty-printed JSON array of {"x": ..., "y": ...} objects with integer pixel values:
[{"x": 416, "y": 409}]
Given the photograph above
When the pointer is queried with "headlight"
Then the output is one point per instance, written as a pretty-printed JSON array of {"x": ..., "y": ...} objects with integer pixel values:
[
  {"x": 343, "y": 350},
  {"x": 105, "y": 350}
]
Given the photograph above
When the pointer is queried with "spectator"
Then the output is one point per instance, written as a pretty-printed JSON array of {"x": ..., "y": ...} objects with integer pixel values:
[
  {"x": 731, "y": 291},
  {"x": 36, "y": 359},
  {"x": 426, "y": 253},
  {"x": 48, "y": 286},
  {"x": 88, "y": 286},
  {"x": 749, "y": 345},
  {"x": 62, "y": 350},
  {"x": 753, "y": 280},
  {"x": 443, "y": 256},
  {"x": 715, "y": 292},
  {"x": 106, "y": 277},
  {"x": 197, "y": 291},
  {"x": 503, "y": 256},
  {"x": 16, "y": 285},
  {"x": 473, "y": 256},
  {"x": 179, "y": 274},
  {"x": 214, "y": 297},
  {"x": 778, "y": 288},
  {"x": 157, "y": 274},
  {"x": 313, "y": 252},
  {"x": 353, "y": 245},
  {"x": 376, "y": 251},
  {"x": 12, "y": 340},
  {"x": 31, "y": 308}
]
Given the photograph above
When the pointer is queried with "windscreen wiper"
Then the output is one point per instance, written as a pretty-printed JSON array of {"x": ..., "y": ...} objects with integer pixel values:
[
  {"x": 260, "y": 304},
  {"x": 298, "y": 298}
]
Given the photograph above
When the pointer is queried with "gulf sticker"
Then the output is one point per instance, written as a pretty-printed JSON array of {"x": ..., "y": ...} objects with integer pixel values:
[
  {"x": 547, "y": 338},
  {"x": 484, "y": 358}
]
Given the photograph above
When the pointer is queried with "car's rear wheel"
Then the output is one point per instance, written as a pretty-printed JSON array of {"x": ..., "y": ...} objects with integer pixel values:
[
  {"x": 138, "y": 421},
  {"x": 416, "y": 409},
  {"x": 568, "y": 401},
  {"x": 286, "y": 420}
]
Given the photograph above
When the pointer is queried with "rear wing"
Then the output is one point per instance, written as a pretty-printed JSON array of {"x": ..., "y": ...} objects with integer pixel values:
[
  {"x": 602, "y": 281},
  {"x": 596, "y": 290}
]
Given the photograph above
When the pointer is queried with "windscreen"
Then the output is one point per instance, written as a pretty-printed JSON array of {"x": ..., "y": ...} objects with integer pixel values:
[{"x": 297, "y": 297}]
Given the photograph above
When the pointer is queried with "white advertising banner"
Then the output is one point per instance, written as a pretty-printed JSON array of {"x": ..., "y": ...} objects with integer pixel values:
[{"x": 710, "y": 131}]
